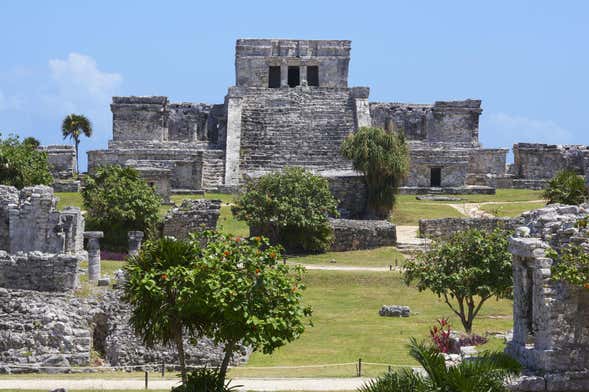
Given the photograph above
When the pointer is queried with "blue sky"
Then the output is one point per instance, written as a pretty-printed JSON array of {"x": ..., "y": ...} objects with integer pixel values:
[{"x": 527, "y": 60}]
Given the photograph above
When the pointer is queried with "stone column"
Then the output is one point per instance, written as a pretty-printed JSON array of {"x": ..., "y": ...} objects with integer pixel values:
[
  {"x": 233, "y": 142},
  {"x": 93, "y": 249},
  {"x": 135, "y": 238},
  {"x": 303, "y": 75},
  {"x": 283, "y": 75}
]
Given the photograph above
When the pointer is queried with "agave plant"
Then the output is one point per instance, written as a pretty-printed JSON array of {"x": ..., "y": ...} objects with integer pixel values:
[{"x": 485, "y": 373}]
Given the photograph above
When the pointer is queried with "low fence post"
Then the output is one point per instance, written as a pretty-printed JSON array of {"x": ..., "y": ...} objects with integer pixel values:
[
  {"x": 359, "y": 367},
  {"x": 146, "y": 380},
  {"x": 163, "y": 368}
]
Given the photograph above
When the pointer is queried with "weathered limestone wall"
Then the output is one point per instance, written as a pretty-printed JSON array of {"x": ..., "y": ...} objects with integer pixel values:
[
  {"x": 453, "y": 164},
  {"x": 362, "y": 234},
  {"x": 350, "y": 189},
  {"x": 488, "y": 161},
  {"x": 455, "y": 122},
  {"x": 543, "y": 161},
  {"x": 34, "y": 224},
  {"x": 191, "y": 216},
  {"x": 254, "y": 56},
  {"x": 445, "y": 227},
  {"x": 551, "y": 318},
  {"x": 61, "y": 159},
  {"x": 294, "y": 127},
  {"x": 39, "y": 271},
  {"x": 53, "y": 332}
]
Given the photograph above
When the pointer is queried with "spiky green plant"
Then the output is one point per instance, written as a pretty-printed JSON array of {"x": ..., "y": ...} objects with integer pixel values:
[
  {"x": 485, "y": 373},
  {"x": 566, "y": 187},
  {"x": 383, "y": 158}
]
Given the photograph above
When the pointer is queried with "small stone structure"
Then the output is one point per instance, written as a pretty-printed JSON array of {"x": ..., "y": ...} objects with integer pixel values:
[
  {"x": 135, "y": 238},
  {"x": 62, "y": 164},
  {"x": 394, "y": 311},
  {"x": 192, "y": 215},
  {"x": 444, "y": 228},
  {"x": 93, "y": 248},
  {"x": 551, "y": 318},
  {"x": 362, "y": 234}
]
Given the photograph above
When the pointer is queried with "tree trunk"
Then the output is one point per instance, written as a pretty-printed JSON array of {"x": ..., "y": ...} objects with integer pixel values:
[
  {"x": 229, "y": 347},
  {"x": 181, "y": 356},
  {"x": 77, "y": 171}
]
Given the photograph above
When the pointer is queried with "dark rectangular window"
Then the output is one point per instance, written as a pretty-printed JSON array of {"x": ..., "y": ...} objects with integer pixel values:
[
  {"x": 294, "y": 76},
  {"x": 274, "y": 77},
  {"x": 313, "y": 75},
  {"x": 436, "y": 177}
]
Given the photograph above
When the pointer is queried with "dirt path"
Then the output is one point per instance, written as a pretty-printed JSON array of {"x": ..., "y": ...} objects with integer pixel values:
[
  {"x": 473, "y": 210},
  {"x": 248, "y": 384},
  {"x": 320, "y": 267}
]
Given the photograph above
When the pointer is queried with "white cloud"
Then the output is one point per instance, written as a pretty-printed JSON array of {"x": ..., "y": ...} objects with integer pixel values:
[
  {"x": 508, "y": 129},
  {"x": 78, "y": 75}
]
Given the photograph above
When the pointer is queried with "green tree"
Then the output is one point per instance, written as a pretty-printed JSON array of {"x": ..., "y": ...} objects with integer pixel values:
[
  {"x": 291, "y": 208},
  {"x": 118, "y": 200},
  {"x": 571, "y": 265},
  {"x": 74, "y": 126},
  {"x": 485, "y": 373},
  {"x": 250, "y": 296},
  {"x": 566, "y": 187},
  {"x": 465, "y": 271},
  {"x": 383, "y": 158},
  {"x": 22, "y": 165},
  {"x": 31, "y": 142},
  {"x": 159, "y": 290}
]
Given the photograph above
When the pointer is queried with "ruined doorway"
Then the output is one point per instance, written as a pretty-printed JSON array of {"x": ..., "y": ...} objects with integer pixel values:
[
  {"x": 436, "y": 177},
  {"x": 294, "y": 76},
  {"x": 313, "y": 75},
  {"x": 274, "y": 77},
  {"x": 99, "y": 334}
]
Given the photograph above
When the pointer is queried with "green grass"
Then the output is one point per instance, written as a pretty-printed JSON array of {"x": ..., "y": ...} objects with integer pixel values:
[
  {"x": 68, "y": 199},
  {"x": 502, "y": 195},
  {"x": 228, "y": 224},
  {"x": 379, "y": 257},
  {"x": 107, "y": 269},
  {"x": 511, "y": 209},
  {"x": 408, "y": 211},
  {"x": 347, "y": 325}
]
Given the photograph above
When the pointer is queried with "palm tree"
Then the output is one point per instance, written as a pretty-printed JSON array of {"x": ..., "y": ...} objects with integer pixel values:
[
  {"x": 73, "y": 126},
  {"x": 485, "y": 373}
]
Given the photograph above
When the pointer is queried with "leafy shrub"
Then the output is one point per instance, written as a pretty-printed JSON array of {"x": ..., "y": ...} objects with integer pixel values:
[
  {"x": 440, "y": 334},
  {"x": 566, "y": 187},
  {"x": 205, "y": 380},
  {"x": 290, "y": 208},
  {"x": 572, "y": 265},
  {"x": 485, "y": 373},
  {"x": 21, "y": 164},
  {"x": 118, "y": 201},
  {"x": 465, "y": 271},
  {"x": 383, "y": 158}
]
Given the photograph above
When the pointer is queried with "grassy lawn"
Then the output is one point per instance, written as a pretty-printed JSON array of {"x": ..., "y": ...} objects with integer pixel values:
[
  {"x": 503, "y": 195},
  {"x": 408, "y": 211},
  {"x": 379, "y": 257},
  {"x": 347, "y": 325},
  {"x": 67, "y": 199},
  {"x": 511, "y": 209}
]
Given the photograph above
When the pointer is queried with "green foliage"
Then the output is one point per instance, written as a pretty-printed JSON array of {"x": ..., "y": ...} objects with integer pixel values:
[
  {"x": 231, "y": 289},
  {"x": 205, "y": 380},
  {"x": 291, "y": 208},
  {"x": 383, "y": 158},
  {"x": 21, "y": 164},
  {"x": 31, "y": 142},
  {"x": 471, "y": 266},
  {"x": 566, "y": 187},
  {"x": 74, "y": 126},
  {"x": 160, "y": 290},
  {"x": 117, "y": 201},
  {"x": 571, "y": 266},
  {"x": 486, "y": 373}
]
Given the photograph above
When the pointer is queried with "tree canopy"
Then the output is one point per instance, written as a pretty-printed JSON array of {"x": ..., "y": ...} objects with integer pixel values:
[
  {"x": 383, "y": 158},
  {"x": 74, "y": 126},
  {"x": 465, "y": 271},
  {"x": 21, "y": 164},
  {"x": 289, "y": 207}
]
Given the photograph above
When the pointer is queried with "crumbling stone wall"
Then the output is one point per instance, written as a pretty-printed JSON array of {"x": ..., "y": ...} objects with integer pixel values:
[
  {"x": 39, "y": 271},
  {"x": 453, "y": 164},
  {"x": 191, "y": 216},
  {"x": 350, "y": 189},
  {"x": 52, "y": 332},
  {"x": 34, "y": 224},
  {"x": 551, "y": 318},
  {"x": 543, "y": 161},
  {"x": 61, "y": 159},
  {"x": 362, "y": 234},
  {"x": 445, "y": 227}
]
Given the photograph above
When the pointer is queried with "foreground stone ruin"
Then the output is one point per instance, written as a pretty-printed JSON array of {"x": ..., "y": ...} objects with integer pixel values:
[
  {"x": 44, "y": 325},
  {"x": 551, "y": 318},
  {"x": 191, "y": 216}
]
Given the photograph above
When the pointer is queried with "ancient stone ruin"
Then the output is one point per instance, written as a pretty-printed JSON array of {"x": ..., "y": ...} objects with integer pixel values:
[
  {"x": 190, "y": 216},
  {"x": 551, "y": 318},
  {"x": 62, "y": 164},
  {"x": 291, "y": 106},
  {"x": 45, "y": 325}
]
